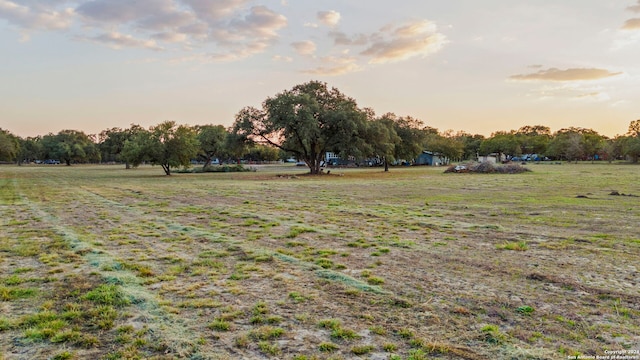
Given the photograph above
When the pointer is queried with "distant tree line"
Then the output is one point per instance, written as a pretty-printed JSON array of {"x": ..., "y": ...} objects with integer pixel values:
[{"x": 305, "y": 123}]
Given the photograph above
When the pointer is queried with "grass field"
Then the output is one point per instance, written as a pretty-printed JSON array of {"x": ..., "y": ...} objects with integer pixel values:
[{"x": 105, "y": 263}]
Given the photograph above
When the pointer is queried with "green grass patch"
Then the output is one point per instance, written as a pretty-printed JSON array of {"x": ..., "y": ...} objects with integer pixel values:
[
  {"x": 515, "y": 246},
  {"x": 10, "y": 293},
  {"x": 107, "y": 294},
  {"x": 295, "y": 231}
]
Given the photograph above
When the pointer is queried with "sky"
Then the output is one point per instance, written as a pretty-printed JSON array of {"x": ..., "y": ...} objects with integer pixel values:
[{"x": 461, "y": 65}]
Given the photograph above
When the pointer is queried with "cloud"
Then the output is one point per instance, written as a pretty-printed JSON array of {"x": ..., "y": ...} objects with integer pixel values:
[
  {"x": 410, "y": 40},
  {"x": 37, "y": 17},
  {"x": 260, "y": 22},
  {"x": 213, "y": 11},
  {"x": 155, "y": 15},
  {"x": 329, "y": 18},
  {"x": 169, "y": 37},
  {"x": 281, "y": 58},
  {"x": 572, "y": 91},
  {"x": 558, "y": 75},
  {"x": 304, "y": 48},
  {"x": 593, "y": 96},
  {"x": 415, "y": 29},
  {"x": 334, "y": 66},
  {"x": 634, "y": 8},
  {"x": 121, "y": 11},
  {"x": 392, "y": 43},
  {"x": 248, "y": 35},
  {"x": 632, "y": 24},
  {"x": 624, "y": 39},
  {"x": 204, "y": 29},
  {"x": 340, "y": 38},
  {"x": 118, "y": 41}
]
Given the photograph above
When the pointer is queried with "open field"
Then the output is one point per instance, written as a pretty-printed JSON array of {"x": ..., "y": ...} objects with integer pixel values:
[{"x": 105, "y": 263}]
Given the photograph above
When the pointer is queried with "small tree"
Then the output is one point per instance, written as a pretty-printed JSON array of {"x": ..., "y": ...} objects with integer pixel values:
[
  {"x": 30, "y": 149},
  {"x": 9, "y": 146},
  {"x": 470, "y": 144},
  {"x": 166, "y": 144},
  {"x": 634, "y": 129},
  {"x": 533, "y": 139},
  {"x": 447, "y": 146},
  {"x": 260, "y": 152},
  {"x": 212, "y": 139},
  {"x": 630, "y": 144},
  {"x": 381, "y": 139},
  {"x": 500, "y": 143},
  {"x": 412, "y": 135},
  {"x": 592, "y": 143},
  {"x": 631, "y": 147},
  {"x": 575, "y": 143},
  {"x": 112, "y": 141}
]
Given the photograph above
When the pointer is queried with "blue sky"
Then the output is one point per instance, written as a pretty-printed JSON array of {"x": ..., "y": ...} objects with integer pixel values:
[{"x": 461, "y": 64}]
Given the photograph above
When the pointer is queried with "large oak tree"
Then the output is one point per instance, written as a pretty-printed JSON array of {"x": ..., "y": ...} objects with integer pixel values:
[{"x": 307, "y": 121}]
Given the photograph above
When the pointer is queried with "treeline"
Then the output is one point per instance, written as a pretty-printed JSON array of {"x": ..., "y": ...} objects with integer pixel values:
[{"x": 306, "y": 122}]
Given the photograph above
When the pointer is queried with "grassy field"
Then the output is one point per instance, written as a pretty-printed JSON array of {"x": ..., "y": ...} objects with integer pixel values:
[{"x": 105, "y": 263}]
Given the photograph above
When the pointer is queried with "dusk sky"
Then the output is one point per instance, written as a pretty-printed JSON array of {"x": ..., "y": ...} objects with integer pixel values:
[{"x": 477, "y": 66}]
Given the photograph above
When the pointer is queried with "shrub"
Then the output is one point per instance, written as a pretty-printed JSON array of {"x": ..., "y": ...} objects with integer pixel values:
[
  {"x": 344, "y": 334},
  {"x": 327, "y": 347},
  {"x": 515, "y": 246},
  {"x": 219, "y": 325},
  {"x": 269, "y": 349},
  {"x": 390, "y": 347},
  {"x": 266, "y": 333},
  {"x": 525, "y": 310},
  {"x": 329, "y": 323},
  {"x": 361, "y": 350}
]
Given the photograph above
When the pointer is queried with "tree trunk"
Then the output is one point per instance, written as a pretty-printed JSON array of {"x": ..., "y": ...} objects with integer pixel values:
[
  {"x": 386, "y": 165},
  {"x": 167, "y": 169},
  {"x": 207, "y": 162},
  {"x": 127, "y": 165},
  {"x": 314, "y": 166}
]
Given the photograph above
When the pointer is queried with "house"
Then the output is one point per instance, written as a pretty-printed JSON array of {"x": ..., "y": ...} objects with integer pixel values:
[
  {"x": 431, "y": 158},
  {"x": 330, "y": 157}
]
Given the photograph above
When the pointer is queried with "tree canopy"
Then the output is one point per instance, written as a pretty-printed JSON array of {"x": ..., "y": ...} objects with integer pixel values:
[
  {"x": 212, "y": 140},
  {"x": 500, "y": 142},
  {"x": 9, "y": 146},
  {"x": 70, "y": 146},
  {"x": 167, "y": 144},
  {"x": 307, "y": 121}
]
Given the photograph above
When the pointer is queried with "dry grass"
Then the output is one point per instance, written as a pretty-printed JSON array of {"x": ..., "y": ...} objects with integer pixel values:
[{"x": 99, "y": 262}]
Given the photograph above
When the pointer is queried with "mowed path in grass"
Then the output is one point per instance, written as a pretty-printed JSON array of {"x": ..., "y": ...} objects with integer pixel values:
[{"x": 359, "y": 264}]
